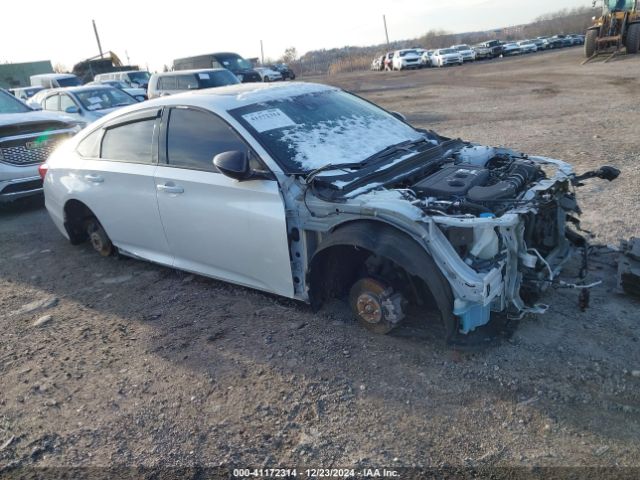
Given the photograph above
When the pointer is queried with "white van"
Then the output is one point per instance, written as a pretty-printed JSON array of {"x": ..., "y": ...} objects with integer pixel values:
[
  {"x": 133, "y": 78},
  {"x": 54, "y": 80}
]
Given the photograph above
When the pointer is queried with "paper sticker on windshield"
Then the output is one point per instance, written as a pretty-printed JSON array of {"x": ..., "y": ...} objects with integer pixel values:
[
  {"x": 95, "y": 100},
  {"x": 266, "y": 120},
  {"x": 203, "y": 76}
]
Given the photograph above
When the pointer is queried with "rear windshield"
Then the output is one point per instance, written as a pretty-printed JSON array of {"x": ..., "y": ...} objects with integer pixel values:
[
  {"x": 408, "y": 52},
  {"x": 216, "y": 79},
  {"x": 447, "y": 51},
  {"x": 68, "y": 82}
]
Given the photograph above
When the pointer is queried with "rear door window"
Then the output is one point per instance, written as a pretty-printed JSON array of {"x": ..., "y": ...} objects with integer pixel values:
[
  {"x": 187, "y": 82},
  {"x": 52, "y": 103},
  {"x": 129, "y": 142}
]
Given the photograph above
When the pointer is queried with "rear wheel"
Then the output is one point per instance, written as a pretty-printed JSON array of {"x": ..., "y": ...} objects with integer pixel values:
[
  {"x": 633, "y": 38},
  {"x": 590, "y": 43},
  {"x": 99, "y": 239}
]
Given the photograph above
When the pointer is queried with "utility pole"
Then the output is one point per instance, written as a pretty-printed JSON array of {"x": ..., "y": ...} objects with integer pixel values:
[
  {"x": 386, "y": 33},
  {"x": 261, "y": 53},
  {"x": 95, "y": 30}
]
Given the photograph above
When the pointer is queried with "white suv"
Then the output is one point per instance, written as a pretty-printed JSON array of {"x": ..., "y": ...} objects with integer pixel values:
[
  {"x": 405, "y": 59},
  {"x": 27, "y": 137}
]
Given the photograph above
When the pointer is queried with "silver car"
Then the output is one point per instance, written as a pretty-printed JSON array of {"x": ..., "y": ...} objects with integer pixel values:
[
  {"x": 309, "y": 192},
  {"x": 27, "y": 137},
  {"x": 85, "y": 104}
]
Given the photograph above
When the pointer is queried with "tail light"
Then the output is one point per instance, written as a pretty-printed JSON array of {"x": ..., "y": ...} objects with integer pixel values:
[{"x": 42, "y": 170}]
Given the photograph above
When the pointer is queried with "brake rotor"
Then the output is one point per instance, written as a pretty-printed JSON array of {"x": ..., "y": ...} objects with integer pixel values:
[
  {"x": 99, "y": 239},
  {"x": 375, "y": 305}
]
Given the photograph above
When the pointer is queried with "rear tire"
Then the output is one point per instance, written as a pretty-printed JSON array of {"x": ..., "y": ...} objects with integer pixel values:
[
  {"x": 99, "y": 239},
  {"x": 590, "y": 43},
  {"x": 633, "y": 38}
]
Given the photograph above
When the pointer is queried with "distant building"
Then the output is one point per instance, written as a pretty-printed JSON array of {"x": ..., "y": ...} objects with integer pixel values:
[{"x": 14, "y": 75}]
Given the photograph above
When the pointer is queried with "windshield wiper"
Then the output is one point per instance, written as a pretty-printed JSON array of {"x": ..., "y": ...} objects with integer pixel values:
[
  {"x": 398, "y": 147},
  {"x": 330, "y": 166},
  {"x": 388, "y": 151}
]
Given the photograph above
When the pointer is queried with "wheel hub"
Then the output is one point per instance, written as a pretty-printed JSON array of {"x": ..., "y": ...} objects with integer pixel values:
[{"x": 369, "y": 308}]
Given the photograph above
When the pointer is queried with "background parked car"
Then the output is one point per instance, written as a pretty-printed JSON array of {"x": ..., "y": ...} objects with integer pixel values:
[
  {"x": 139, "y": 94},
  {"x": 268, "y": 75},
  {"x": 25, "y": 93},
  {"x": 233, "y": 62},
  {"x": 285, "y": 71},
  {"x": 447, "y": 56},
  {"x": 405, "y": 59},
  {"x": 482, "y": 51},
  {"x": 427, "y": 59},
  {"x": 468, "y": 54},
  {"x": 132, "y": 78},
  {"x": 84, "y": 104},
  {"x": 527, "y": 46},
  {"x": 54, "y": 80},
  {"x": 169, "y": 83},
  {"x": 27, "y": 138},
  {"x": 387, "y": 63},
  {"x": 510, "y": 49}
]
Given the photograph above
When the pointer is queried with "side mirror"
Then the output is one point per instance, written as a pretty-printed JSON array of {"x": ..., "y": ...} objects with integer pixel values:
[
  {"x": 72, "y": 109},
  {"x": 233, "y": 164},
  {"x": 399, "y": 116}
]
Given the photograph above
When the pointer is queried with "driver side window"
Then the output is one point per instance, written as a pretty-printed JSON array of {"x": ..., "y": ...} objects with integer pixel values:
[{"x": 194, "y": 137}]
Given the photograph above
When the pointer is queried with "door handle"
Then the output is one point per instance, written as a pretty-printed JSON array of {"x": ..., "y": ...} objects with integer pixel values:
[
  {"x": 94, "y": 178},
  {"x": 170, "y": 188}
]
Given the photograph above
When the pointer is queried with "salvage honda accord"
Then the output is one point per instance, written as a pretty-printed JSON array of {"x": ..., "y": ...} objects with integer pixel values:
[{"x": 310, "y": 192}]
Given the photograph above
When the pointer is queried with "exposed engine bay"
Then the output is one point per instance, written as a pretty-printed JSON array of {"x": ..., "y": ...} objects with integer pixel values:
[{"x": 499, "y": 224}]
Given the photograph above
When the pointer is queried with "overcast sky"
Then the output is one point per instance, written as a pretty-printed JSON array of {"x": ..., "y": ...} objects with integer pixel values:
[{"x": 154, "y": 33}]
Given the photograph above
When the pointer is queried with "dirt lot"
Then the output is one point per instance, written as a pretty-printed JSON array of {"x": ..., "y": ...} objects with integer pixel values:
[{"x": 142, "y": 365}]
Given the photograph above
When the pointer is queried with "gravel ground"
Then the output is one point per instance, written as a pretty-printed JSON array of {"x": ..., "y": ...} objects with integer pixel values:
[{"x": 120, "y": 362}]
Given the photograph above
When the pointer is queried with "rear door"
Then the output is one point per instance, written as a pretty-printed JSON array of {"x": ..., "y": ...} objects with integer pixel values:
[
  {"x": 216, "y": 226},
  {"x": 117, "y": 182}
]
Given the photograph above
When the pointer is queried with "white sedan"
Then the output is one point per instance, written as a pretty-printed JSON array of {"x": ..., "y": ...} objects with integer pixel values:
[
  {"x": 268, "y": 75},
  {"x": 309, "y": 192}
]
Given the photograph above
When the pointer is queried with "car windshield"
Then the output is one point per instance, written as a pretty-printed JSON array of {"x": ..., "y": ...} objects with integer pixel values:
[
  {"x": 619, "y": 5},
  {"x": 141, "y": 78},
  {"x": 233, "y": 62},
  {"x": 68, "y": 82},
  {"x": 447, "y": 51},
  {"x": 218, "y": 78},
  {"x": 309, "y": 131},
  {"x": 462, "y": 48},
  {"x": 10, "y": 104},
  {"x": 408, "y": 52},
  {"x": 102, "y": 98}
]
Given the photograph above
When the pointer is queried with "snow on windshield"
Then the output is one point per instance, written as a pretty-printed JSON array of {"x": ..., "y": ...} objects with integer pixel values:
[{"x": 345, "y": 140}]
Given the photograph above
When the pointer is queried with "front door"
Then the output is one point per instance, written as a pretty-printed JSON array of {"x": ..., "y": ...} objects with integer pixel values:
[{"x": 216, "y": 226}]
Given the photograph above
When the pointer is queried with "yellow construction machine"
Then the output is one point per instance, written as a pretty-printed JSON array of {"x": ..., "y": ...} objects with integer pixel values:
[{"x": 618, "y": 29}]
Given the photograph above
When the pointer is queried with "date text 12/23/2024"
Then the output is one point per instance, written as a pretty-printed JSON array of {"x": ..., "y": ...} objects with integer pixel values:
[{"x": 247, "y": 473}]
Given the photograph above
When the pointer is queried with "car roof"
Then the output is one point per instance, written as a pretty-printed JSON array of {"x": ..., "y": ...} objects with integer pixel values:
[
  {"x": 81, "y": 88},
  {"x": 232, "y": 96},
  {"x": 186, "y": 72}
]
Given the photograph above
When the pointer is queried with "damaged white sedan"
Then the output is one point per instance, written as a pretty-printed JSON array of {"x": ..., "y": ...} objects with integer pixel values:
[{"x": 310, "y": 192}]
